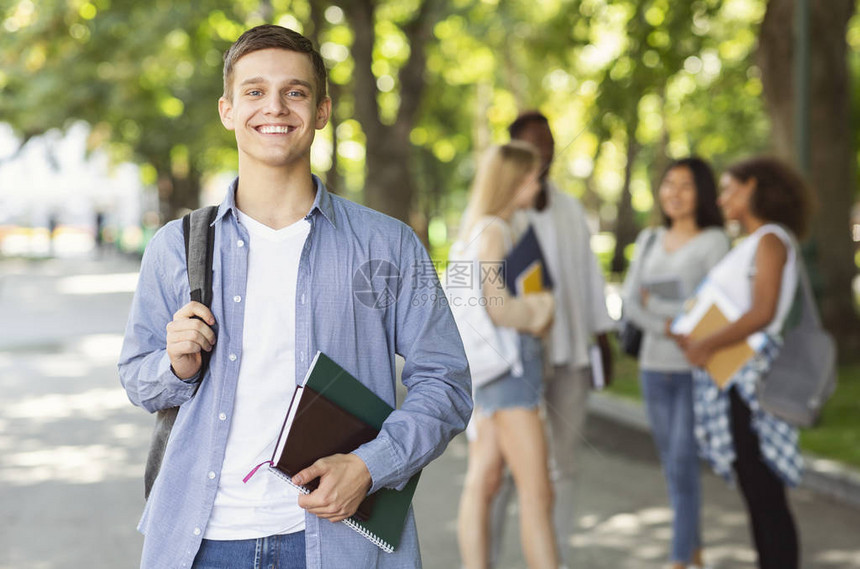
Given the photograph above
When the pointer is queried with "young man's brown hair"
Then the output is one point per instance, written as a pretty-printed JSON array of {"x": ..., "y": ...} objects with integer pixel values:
[{"x": 269, "y": 36}]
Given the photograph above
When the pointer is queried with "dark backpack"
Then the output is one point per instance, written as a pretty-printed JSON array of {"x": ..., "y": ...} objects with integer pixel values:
[{"x": 199, "y": 234}]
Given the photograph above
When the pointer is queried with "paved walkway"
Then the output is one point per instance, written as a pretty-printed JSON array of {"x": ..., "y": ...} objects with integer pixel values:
[{"x": 72, "y": 450}]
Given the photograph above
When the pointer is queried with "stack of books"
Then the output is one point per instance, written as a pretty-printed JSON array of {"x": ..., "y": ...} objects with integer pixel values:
[{"x": 334, "y": 413}]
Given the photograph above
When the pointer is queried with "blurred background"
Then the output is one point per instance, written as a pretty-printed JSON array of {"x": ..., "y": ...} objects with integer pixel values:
[
  {"x": 109, "y": 129},
  {"x": 108, "y": 123}
]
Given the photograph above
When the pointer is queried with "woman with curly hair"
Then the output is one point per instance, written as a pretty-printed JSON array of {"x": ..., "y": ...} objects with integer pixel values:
[{"x": 739, "y": 438}]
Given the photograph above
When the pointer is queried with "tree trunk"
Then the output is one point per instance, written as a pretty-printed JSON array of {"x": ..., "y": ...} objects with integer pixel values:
[
  {"x": 625, "y": 225},
  {"x": 177, "y": 194},
  {"x": 659, "y": 163},
  {"x": 832, "y": 174},
  {"x": 389, "y": 183},
  {"x": 591, "y": 200},
  {"x": 775, "y": 57},
  {"x": 333, "y": 180}
]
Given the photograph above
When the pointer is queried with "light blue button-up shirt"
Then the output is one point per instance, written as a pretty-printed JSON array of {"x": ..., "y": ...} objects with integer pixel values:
[{"x": 365, "y": 292}]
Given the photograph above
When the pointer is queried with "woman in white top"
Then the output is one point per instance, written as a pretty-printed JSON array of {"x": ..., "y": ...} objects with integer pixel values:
[
  {"x": 760, "y": 277},
  {"x": 670, "y": 262},
  {"x": 507, "y": 427}
]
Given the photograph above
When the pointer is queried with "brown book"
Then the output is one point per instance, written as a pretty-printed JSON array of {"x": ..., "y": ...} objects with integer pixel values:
[
  {"x": 725, "y": 363},
  {"x": 334, "y": 413},
  {"x": 319, "y": 429}
]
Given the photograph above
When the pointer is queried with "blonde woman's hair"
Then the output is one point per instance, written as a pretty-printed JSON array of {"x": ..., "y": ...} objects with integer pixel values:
[{"x": 501, "y": 172}]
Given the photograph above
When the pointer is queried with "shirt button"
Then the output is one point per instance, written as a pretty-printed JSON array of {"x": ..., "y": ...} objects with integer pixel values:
[
  {"x": 197, "y": 531},
  {"x": 233, "y": 357},
  {"x": 237, "y": 298},
  {"x": 240, "y": 243},
  {"x": 302, "y": 356},
  {"x": 222, "y": 416},
  {"x": 211, "y": 476},
  {"x": 303, "y": 298}
]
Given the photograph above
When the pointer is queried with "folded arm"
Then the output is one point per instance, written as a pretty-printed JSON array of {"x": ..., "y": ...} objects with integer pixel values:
[
  {"x": 632, "y": 297},
  {"x": 531, "y": 313},
  {"x": 770, "y": 260}
]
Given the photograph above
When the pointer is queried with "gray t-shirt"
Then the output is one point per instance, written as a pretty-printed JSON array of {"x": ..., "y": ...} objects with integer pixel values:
[{"x": 671, "y": 278}]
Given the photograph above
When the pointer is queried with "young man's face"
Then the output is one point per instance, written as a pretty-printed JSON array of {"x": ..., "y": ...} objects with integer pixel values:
[{"x": 274, "y": 110}]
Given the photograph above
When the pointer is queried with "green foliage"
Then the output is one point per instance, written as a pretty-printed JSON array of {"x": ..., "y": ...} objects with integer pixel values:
[
  {"x": 838, "y": 435},
  {"x": 677, "y": 76},
  {"x": 145, "y": 76},
  {"x": 854, "y": 70}
]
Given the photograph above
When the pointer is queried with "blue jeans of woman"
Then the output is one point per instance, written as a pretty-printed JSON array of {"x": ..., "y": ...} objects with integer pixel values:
[
  {"x": 669, "y": 402},
  {"x": 273, "y": 552}
]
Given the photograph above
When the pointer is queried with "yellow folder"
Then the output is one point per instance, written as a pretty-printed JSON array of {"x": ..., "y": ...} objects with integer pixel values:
[
  {"x": 726, "y": 362},
  {"x": 531, "y": 279}
]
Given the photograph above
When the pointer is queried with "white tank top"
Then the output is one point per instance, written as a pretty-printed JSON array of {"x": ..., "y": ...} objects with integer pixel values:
[{"x": 734, "y": 274}]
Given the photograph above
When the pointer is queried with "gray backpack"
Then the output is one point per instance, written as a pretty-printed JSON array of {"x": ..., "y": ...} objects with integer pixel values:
[
  {"x": 803, "y": 375},
  {"x": 199, "y": 234}
]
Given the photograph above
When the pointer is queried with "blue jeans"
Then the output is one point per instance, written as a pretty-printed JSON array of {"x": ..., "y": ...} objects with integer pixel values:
[
  {"x": 274, "y": 552},
  {"x": 669, "y": 401}
]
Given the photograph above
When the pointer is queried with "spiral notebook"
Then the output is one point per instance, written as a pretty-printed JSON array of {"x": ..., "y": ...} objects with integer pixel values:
[{"x": 333, "y": 413}]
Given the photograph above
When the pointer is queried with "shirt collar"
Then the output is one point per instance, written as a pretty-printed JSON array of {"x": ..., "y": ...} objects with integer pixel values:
[{"x": 322, "y": 202}]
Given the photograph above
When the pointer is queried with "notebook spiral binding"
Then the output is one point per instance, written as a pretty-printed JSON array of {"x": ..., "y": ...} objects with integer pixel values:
[{"x": 373, "y": 538}]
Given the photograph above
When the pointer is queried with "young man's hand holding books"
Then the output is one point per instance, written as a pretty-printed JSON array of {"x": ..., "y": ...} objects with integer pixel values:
[{"x": 343, "y": 483}]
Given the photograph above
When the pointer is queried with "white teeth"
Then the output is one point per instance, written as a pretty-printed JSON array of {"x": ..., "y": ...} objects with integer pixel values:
[{"x": 268, "y": 129}]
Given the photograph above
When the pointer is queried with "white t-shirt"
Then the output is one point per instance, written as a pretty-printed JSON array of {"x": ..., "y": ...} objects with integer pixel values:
[
  {"x": 561, "y": 340},
  {"x": 735, "y": 273},
  {"x": 580, "y": 305},
  {"x": 266, "y": 505}
]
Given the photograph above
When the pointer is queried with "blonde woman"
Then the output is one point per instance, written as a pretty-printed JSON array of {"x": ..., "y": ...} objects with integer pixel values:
[{"x": 506, "y": 425}]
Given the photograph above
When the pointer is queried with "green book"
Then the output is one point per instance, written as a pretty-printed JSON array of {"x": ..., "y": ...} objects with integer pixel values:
[{"x": 332, "y": 412}]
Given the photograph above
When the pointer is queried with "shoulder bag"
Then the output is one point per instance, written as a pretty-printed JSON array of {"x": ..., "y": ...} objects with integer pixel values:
[
  {"x": 199, "y": 235},
  {"x": 490, "y": 350},
  {"x": 630, "y": 336},
  {"x": 803, "y": 376}
]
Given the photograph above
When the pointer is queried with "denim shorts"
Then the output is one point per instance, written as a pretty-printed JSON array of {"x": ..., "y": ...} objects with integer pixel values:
[
  {"x": 274, "y": 552},
  {"x": 509, "y": 391}
]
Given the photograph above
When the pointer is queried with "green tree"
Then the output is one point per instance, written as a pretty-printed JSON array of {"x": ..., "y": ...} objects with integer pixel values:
[
  {"x": 145, "y": 76},
  {"x": 833, "y": 172},
  {"x": 396, "y": 46}
]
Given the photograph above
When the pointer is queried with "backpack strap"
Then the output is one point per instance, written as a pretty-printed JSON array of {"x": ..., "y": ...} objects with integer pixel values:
[{"x": 199, "y": 234}]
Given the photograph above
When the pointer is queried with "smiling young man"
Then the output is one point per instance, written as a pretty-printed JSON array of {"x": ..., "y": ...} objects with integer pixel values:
[{"x": 287, "y": 255}]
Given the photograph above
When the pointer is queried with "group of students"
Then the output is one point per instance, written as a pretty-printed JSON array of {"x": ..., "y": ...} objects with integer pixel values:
[
  {"x": 285, "y": 260},
  {"x": 690, "y": 416},
  {"x": 549, "y": 357}
]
